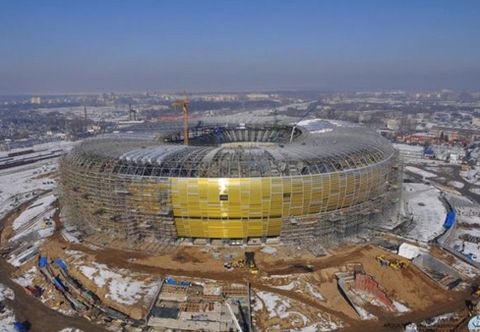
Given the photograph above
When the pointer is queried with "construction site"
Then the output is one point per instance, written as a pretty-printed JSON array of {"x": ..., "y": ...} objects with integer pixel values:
[
  {"x": 252, "y": 226},
  {"x": 312, "y": 182},
  {"x": 229, "y": 289}
]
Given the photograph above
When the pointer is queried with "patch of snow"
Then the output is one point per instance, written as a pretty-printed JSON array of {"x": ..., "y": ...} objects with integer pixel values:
[
  {"x": 439, "y": 319},
  {"x": 33, "y": 211},
  {"x": 6, "y": 293},
  {"x": 475, "y": 190},
  {"x": 472, "y": 175},
  {"x": 6, "y": 320},
  {"x": 90, "y": 272},
  {"x": 46, "y": 232},
  {"x": 274, "y": 304},
  {"x": 278, "y": 307},
  {"x": 420, "y": 172},
  {"x": 423, "y": 204},
  {"x": 25, "y": 256},
  {"x": 465, "y": 268},
  {"x": 26, "y": 279},
  {"x": 457, "y": 184},
  {"x": 71, "y": 329},
  {"x": 122, "y": 288},
  {"x": 324, "y": 326},
  {"x": 314, "y": 292},
  {"x": 269, "y": 250},
  {"x": 69, "y": 237},
  {"x": 400, "y": 307},
  {"x": 472, "y": 220},
  {"x": 364, "y": 314},
  {"x": 75, "y": 254},
  {"x": 290, "y": 286},
  {"x": 258, "y": 305}
]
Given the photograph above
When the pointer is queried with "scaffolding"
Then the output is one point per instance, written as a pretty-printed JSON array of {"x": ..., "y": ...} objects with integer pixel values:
[{"x": 233, "y": 183}]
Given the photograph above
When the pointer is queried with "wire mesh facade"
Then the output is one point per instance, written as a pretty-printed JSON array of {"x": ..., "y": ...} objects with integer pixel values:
[{"x": 322, "y": 180}]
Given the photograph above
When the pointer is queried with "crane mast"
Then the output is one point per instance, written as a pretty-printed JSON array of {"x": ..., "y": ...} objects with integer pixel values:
[{"x": 184, "y": 104}]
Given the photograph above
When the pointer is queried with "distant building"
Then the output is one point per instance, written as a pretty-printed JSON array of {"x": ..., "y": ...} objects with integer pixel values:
[
  {"x": 393, "y": 124},
  {"x": 36, "y": 100},
  {"x": 257, "y": 96},
  {"x": 408, "y": 152},
  {"x": 476, "y": 122}
]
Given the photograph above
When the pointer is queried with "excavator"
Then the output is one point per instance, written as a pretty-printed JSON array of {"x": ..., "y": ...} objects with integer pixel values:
[
  {"x": 250, "y": 261},
  {"x": 395, "y": 264},
  {"x": 398, "y": 264}
]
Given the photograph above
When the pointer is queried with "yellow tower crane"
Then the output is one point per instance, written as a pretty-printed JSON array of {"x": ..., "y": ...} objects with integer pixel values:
[{"x": 184, "y": 104}]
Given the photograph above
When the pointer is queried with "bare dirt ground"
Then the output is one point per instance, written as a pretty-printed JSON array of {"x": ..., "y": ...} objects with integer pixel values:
[{"x": 409, "y": 286}]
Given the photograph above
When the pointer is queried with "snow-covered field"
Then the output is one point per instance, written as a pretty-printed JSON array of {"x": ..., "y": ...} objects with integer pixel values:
[
  {"x": 420, "y": 172},
  {"x": 17, "y": 186},
  {"x": 423, "y": 203},
  {"x": 19, "y": 183},
  {"x": 37, "y": 219},
  {"x": 123, "y": 286},
  {"x": 35, "y": 209}
]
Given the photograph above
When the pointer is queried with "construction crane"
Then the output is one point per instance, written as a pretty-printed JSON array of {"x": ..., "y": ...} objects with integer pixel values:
[{"x": 184, "y": 104}]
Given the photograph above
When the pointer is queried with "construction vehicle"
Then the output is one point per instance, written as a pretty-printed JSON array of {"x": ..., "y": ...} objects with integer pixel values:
[
  {"x": 383, "y": 260},
  {"x": 398, "y": 264},
  {"x": 253, "y": 269},
  {"x": 250, "y": 261},
  {"x": 395, "y": 264},
  {"x": 237, "y": 264}
]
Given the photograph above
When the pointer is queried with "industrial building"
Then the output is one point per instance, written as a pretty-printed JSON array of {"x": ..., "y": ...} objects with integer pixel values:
[{"x": 316, "y": 180}]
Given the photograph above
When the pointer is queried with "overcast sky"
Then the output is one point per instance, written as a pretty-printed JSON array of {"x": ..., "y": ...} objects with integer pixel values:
[{"x": 200, "y": 46}]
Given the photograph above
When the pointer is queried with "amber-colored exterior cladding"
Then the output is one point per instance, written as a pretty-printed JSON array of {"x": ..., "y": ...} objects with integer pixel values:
[
  {"x": 324, "y": 185},
  {"x": 254, "y": 207},
  {"x": 170, "y": 207}
]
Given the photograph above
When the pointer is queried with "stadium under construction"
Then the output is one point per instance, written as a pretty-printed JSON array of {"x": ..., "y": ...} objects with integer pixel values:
[{"x": 316, "y": 180}]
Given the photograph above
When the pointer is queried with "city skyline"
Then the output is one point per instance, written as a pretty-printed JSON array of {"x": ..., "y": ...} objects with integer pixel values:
[{"x": 68, "y": 47}]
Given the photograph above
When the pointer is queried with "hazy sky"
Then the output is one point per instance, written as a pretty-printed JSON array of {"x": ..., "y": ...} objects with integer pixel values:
[{"x": 198, "y": 46}]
